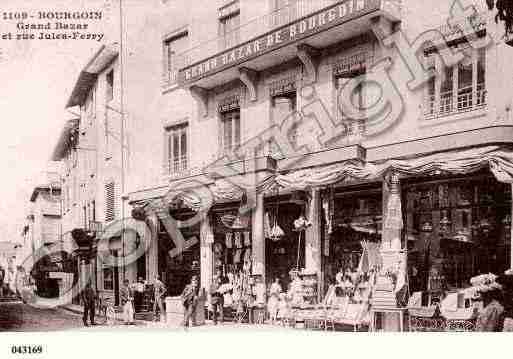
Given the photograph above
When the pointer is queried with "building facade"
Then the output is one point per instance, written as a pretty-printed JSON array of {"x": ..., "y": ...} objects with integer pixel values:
[
  {"x": 46, "y": 262},
  {"x": 278, "y": 115}
]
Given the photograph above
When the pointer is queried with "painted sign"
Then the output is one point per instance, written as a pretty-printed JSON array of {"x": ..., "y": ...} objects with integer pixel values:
[{"x": 295, "y": 31}]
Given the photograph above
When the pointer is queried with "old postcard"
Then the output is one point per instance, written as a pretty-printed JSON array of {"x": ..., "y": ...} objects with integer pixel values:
[{"x": 290, "y": 166}]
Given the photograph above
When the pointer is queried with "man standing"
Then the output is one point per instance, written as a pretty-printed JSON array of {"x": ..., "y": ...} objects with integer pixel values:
[
  {"x": 127, "y": 299},
  {"x": 190, "y": 300},
  {"x": 159, "y": 289},
  {"x": 88, "y": 300},
  {"x": 216, "y": 297}
]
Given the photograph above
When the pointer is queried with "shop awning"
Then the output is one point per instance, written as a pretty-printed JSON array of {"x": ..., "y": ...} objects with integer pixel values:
[{"x": 498, "y": 159}]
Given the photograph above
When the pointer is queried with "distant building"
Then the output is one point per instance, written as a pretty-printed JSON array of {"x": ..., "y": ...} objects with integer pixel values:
[{"x": 42, "y": 233}]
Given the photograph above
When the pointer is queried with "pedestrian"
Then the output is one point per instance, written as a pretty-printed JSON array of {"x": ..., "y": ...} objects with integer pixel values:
[
  {"x": 274, "y": 300},
  {"x": 216, "y": 297},
  {"x": 159, "y": 289},
  {"x": 127, "y": 301},
  {"x": 88, "y": 300},
  {"x": 190, "y": 300}
]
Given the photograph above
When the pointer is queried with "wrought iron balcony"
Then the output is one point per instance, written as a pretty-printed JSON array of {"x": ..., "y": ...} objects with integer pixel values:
[{"x": 291, "y": 23}]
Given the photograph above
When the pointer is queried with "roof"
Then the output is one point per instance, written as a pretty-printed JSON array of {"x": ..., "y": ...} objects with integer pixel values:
[
  {"x": 64, "y": 140},
  {"x": 87, "y": 77},
  {"x": 44, "y": 189}
]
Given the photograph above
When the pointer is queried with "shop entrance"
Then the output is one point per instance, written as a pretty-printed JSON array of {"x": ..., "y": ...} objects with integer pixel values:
[
  {"x": 281, "y": 255},
  {"x": 176, "y": 272},
  {"x": 357, "y": 222}
]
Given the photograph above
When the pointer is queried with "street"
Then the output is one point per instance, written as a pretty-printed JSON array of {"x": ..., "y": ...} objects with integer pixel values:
[{"x": 16, "y": 316}]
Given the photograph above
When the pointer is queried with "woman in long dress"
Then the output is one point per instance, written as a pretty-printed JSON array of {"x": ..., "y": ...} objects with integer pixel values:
[{"x": 274, "y": 299}]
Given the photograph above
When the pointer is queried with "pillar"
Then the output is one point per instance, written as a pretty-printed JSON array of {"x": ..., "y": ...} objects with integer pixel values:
[
  {"x": 206, "y": 255},
  {"x": 511, "y": 232},
  {"x": 313, "y": 249},
  {"x": 130, "y": 263},
  {"x": 313, "y": 234},
  {"x": 257, "y": 233},
  {"x": 152, "y": 254},
  {"x": 392, "y": 254}
]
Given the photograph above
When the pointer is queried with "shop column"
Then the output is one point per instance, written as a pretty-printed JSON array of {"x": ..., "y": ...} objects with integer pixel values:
[
  {"x": 152, "y": 254},
  {"x": 392, "y": 254},
  {"x": 258, "y": 240},
  {"x": 511, "y": 234},
  {"x": 313, "y": 235},
  {"x": 130, "y": 267},
  {"x": 206, "y": 255}
]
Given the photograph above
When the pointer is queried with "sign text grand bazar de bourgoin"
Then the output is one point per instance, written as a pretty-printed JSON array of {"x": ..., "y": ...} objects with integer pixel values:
[{"x": 295, "y": 31}]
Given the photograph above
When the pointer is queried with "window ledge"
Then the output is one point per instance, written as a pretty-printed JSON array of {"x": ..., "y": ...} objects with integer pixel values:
[{"x": 456, "y": 116}]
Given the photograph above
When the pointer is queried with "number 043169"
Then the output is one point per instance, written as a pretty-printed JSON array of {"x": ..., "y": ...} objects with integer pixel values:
[{"x": 26, "y": 349}]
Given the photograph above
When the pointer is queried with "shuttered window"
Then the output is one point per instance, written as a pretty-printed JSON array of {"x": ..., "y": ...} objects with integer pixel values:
[
  {"x": 176, "y": 157},
  {"x": 110, "y": 202}
]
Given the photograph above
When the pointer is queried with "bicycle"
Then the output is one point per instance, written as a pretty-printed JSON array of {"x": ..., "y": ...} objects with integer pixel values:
[{"x": 105, "y": 312}]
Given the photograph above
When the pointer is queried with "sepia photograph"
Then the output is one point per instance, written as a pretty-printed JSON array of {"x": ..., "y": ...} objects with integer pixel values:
[{"x": 342, "y": 168}]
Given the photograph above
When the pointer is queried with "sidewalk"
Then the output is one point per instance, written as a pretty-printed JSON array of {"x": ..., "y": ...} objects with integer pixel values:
[
  {"x": 209, "y": 325},
  {"x": 118, "y": 318}
]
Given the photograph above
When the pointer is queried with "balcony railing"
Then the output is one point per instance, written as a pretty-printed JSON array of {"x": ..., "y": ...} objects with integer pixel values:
[
  {"x": 449, "y": 103},
  {"x": 243, "y": 33},
  {"x": 176, "y": 166}
]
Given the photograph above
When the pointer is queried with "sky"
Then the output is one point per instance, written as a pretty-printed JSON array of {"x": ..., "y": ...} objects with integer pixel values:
[{"x": 37, "y": 78}]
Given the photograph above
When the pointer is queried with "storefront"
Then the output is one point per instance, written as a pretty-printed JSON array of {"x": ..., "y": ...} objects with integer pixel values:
[
  {"x": 284, "y": 250},
  {"x": 356, "y": 224},
  {"x": 176, "y": 271},
  {"x": 456, "y": 228}
]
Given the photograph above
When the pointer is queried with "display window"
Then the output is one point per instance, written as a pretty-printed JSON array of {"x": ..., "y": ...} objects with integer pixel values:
[{"x": 456, "y": 228}]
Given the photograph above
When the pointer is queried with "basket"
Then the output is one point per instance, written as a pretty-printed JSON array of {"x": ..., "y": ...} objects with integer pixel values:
[
  {"x": 460, "y": 314},
  {"x": 424, "y": 312}
]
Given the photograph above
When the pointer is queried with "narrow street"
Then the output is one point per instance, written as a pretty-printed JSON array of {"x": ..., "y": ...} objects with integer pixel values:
[{"x": 16, "y": 316}]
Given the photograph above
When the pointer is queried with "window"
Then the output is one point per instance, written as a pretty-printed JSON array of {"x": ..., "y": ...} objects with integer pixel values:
[
  {"x": 458, "y": 226},
  {"x": 110, "y": 86},
  {"x": 173, "y": 56},
  {"x": 283, "y": 106},
  {"x": 110, "y": 202},
  {"x": 460, "y": 88},
  {"x": 284, "y": 12},
  {"x": 108, "y": 273},
  {"x": 230, "y": 122},
  {"x": 176, "y": 148},
  {"x": 360, "y": 99},
  {"x": 229, "y": 25}
]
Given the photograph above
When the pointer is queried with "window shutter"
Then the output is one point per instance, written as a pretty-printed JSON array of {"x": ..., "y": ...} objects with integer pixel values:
[{"x": 110, "y": 202}]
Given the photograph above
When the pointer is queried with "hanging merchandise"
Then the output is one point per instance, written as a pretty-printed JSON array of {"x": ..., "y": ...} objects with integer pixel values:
[
  {"x": 218, "y": 248},
  {"x": 247, "y": 239},
  {"x": 300, "y": 225},
  {"x": 267, "y": 226},
  {"x": 240, "y": 221},
  {"x": 237, "y": 256},
  {"x": 276, "y": 232},
  {"x": 229, "y": 240},
  {"x": 238, "y": 240}
]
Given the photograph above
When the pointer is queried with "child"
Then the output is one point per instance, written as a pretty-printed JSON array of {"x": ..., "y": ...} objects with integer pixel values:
[
  {"x": 274, "y": 300},
  {"x": 283, "y": 308}
]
